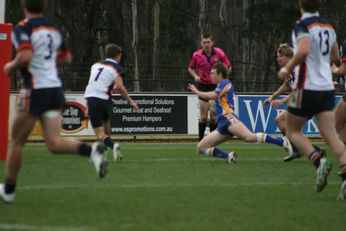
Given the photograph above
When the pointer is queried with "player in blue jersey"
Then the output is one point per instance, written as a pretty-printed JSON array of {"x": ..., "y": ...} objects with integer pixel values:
[
  {"x": 39, "y": 47},
  {"x": 315, "y": 46},
  {"x": 105, "y": 77},
  {"x": 228, "y": 123},
  {"x": 284, "y": 53}
]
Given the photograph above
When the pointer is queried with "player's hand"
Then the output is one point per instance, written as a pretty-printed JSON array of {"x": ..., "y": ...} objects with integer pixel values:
[
  {"x": 267, "y": 101},
  {"x": 283, "y": 73},
  {"x": 335, "y": 69},
  {"x": 197, "y": 79},
  {"x": 192, "y": 88},
  {"x": 276, "y": 103},
  {"x": 134, "y": 106},
  {"x": 8, "y": 68}
]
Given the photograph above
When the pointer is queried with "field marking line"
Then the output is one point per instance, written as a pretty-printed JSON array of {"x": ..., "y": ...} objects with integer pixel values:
[
  {"x": 243, "y": 184},
  {"x": 4, "y": 226}
]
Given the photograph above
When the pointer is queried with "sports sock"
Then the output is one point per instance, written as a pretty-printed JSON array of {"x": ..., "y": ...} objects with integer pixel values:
[
  {"x": 315, "y": 158},
  {"x": 84, "y": 149},
  {"x": 201, "y": 130},
  {"x": 212, "y": 126},
  {"x": 216, "y": 152},
  {"x": 9, "y": 188},
  {"x": 265, "y": 138},
  {"x": 342, "y": 172},
  {"x": 108, "y": 142}
]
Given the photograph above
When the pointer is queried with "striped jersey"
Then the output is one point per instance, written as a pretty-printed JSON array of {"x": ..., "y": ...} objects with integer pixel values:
[
  {"x": 314, "y": 72},
  {"x": 224, "y": 105},
  {"x": 102, "y": 79},
  {"x": 46, "y": 42}
]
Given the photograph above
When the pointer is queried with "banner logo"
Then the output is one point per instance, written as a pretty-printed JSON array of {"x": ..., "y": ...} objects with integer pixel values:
[{"x": 74, "y": 118}]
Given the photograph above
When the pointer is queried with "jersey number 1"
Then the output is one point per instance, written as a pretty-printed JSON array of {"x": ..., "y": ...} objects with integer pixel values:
[{"x": 98, "y": 74}]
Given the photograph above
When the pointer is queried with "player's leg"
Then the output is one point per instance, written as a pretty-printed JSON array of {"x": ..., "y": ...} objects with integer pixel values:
[
  {"x": 51, "y": 124},
  {"x": 325, "y": 123},
  {"x": 208, "y": 147},
  {"x": 243, "y": 133},
  {"x": 213, "y": 120},
  {"x": 204, "y": 109},
  {"x": 340, "y": 119},
  {"x": 22, "y": 125},
  {"x": 280, "y": 121},
  {"x": 109, "y": 142}
]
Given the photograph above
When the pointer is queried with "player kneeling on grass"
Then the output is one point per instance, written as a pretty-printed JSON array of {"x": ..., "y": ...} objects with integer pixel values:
[{"x": 228, "y": 123}]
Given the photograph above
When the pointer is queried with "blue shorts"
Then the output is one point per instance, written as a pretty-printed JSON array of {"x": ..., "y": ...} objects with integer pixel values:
[
  {"x": 38, "y": 101},
  {"x": 99, "y": 111},
  {"x": 222, "y": 126}
]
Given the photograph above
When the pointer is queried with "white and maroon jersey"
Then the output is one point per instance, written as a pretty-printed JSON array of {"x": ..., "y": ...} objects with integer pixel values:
[
  {"x": 314, "y": 73},
  {"x": 44, "y": 39},
  {"x": 102, "y": 78}
]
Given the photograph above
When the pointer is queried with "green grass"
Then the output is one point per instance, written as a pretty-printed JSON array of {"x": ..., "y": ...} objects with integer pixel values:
[{"x": 168, "y": 187}]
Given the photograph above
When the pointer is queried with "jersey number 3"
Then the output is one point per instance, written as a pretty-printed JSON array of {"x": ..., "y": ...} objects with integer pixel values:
[{"x": 49, "y": 46}]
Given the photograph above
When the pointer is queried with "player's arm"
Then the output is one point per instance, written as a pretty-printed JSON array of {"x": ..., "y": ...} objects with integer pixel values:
[
  {"x": 64, "y": 54},
  {"x": 210, "y": 95},
  {"x": 119, "y": 87},
  {"x": 302, "y": 53},
  {"x": 193, "y": 73},
  {"x": 22, "y": 60},
  {"x": 281, "y": 90},
  {"x": 64, "y": 58},
  {"x": 337, "y": 70}
]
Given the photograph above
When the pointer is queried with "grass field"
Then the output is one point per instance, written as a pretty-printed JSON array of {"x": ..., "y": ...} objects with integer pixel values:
[{"x": 168, "y": 187}]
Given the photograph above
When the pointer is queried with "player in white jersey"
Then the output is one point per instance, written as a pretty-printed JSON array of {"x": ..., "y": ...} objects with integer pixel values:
[
  {"x": 39, "y": 47},
  {"x": 106, "y": 76},
  {"x": 315, "y": 46}
]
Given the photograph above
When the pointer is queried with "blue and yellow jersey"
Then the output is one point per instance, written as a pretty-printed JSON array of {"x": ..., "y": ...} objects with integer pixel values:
[{"x": 224, "y": 105}]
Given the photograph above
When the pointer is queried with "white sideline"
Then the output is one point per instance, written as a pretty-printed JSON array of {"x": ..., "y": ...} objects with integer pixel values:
[
  {"x": 153, "y": 185},
  {"x": 41, "y": 228}
]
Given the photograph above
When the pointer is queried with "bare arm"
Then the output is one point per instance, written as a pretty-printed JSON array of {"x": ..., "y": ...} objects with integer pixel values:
[
  {"x": 22, "y": 60},
  {"x": 281, "y": 90},
  {"x": 119, "y": 87},
  {"x": 64, "y": 58},
  {"x": 210, "y": 95},
  {"x": 335, "y": 54},
  {"x": 302, "y": 53},
  {"x": 193, "y": 73}
]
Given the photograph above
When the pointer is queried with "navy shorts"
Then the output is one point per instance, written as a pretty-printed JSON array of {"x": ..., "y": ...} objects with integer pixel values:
[
  {"x": 222, "y": 126},
  {"x": 309, "y": 103},
  {"x": 38, "y": 101},
  {"x": 205, "y": 88},
  {"x": 99, "y": 111}
]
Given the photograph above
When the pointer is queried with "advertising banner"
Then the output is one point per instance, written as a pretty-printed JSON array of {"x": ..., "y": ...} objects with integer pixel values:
[
  {"x": 259, "y": 118},
  {"x": 158, "y": 114}
]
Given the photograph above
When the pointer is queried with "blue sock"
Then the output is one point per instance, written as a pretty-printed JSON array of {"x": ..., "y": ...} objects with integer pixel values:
[
  {"x": 219, "y": 153},
  {"x": 278, "y": 141}
]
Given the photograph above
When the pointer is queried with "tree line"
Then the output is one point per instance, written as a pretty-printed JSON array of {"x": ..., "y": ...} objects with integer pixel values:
[{"x": 159, "y": 36}]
